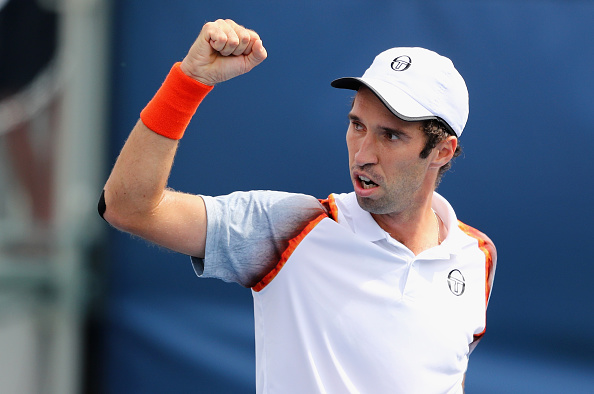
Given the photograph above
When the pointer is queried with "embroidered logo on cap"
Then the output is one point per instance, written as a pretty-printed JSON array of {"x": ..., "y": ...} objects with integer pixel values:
[
  {"x": 456, "y": 282},
  {"x": 401, "y": 63}
]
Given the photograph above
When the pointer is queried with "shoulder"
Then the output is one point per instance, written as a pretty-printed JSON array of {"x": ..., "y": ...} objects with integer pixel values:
[
  {"x": 260, "y": 204},
  {"x": 484, "y": 242},
  {"x": 487, "y": 246},
  {"x": 251, "y": 212},
  {"x": 265, "y": 199}
]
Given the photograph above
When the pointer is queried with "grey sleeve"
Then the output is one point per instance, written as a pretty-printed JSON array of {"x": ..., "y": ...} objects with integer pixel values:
[{"x": 248, "y": 231}]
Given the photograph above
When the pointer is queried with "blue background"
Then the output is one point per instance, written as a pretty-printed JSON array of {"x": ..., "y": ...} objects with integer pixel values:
[{"x": 523, "y": 179}]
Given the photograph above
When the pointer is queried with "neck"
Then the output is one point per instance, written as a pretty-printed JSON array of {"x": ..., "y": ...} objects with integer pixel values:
[{"x": 417, "y": 228}]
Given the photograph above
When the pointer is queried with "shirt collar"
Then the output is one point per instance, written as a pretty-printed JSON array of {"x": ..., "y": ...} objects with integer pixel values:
[
  {"x": 365, "y": 226},
  {"x": 444, "y": 210},
  {"x": 360, "y": 221}
]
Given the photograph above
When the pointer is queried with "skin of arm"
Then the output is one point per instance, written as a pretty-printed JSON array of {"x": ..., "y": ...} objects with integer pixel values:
[{"x": 136, "y": 196}]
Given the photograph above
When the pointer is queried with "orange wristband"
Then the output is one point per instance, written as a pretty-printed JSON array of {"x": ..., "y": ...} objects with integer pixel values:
[{"x": 171, "y": 109}]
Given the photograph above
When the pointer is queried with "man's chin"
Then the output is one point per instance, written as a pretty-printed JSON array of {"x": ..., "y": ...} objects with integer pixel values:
[{"x": 372, "y": 206}]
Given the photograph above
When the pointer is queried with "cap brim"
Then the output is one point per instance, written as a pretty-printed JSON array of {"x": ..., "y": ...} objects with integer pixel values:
[{"x": 392, "y": 97}]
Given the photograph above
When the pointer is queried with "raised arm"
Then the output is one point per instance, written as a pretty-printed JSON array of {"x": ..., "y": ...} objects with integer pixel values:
[{"x": 136, "y": 198}]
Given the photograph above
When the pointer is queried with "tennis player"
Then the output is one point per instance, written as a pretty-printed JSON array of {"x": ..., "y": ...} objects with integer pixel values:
[{"x": 381, "y": 290}]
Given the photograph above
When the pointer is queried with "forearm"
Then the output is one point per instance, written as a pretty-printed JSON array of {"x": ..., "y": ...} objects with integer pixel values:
[
  {"x": 136, "y": 198},
  {"x": 139, "y": 177},
  {"x": 137, "y": 183}
]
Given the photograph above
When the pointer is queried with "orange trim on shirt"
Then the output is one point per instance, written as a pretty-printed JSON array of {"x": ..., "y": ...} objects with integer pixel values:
[
  {"x": 331, "y": 212},
  {"x": 330, "y": 205},
  {"x": 487, "y": 247},
  {"x": 293, "y": 243}
]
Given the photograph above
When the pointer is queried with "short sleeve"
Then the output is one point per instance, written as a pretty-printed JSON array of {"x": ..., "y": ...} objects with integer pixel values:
[{"x": 248, "y": 231}]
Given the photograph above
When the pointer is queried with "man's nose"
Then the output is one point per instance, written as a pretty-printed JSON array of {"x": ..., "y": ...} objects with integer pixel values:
[{"x": 367, "y": 151}]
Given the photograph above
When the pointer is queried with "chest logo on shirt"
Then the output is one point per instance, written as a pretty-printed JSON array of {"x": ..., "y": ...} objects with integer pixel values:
[{"x": 456, "y": 282}]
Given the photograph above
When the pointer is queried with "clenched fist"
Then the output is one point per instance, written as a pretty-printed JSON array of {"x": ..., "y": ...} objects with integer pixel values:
[{"x": 223, "y": 50}]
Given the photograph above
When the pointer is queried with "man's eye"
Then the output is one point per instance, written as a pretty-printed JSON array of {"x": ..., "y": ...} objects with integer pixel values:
[
  {"x": 357, "y": 126},
  {"x": 392, "y": 136}
]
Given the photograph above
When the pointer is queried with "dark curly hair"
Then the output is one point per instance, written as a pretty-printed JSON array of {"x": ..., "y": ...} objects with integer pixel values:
[{"x": 436, "y": 131}]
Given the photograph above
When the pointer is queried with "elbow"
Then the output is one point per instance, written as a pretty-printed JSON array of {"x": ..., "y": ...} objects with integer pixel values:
[
  {"x": 115, "y": 216},
  {"x": 109, "y": 216}
]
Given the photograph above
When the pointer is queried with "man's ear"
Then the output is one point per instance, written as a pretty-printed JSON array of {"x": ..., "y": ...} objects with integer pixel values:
[{"x": 445, "y": 151}]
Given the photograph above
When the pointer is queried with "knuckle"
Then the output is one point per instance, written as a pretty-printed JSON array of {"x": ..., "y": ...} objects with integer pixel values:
[
  {"x": 232, "y": 24},
  {"x": 245, "y": 38},
  {"x": 210, "y": 27}
]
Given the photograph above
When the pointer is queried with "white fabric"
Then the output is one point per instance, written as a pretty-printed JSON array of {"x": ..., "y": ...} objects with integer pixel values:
[{"x": 354, "y": 311}]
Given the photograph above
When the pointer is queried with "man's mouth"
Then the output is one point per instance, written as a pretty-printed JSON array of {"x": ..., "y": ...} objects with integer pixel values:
[{"x": 366, "y": 183}]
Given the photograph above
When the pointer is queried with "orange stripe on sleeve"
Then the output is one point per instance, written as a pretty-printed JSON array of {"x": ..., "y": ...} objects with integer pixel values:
[
  {"x": 330, "y": 205},
  {"x": 293, "y": 243},
  {"x": 488, "y": 248}
]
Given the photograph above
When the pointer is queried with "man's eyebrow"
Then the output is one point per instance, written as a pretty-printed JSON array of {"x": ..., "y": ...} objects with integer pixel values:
[
  {"x": 388, "y": 130},
  {"x": 352, "y": 116}
]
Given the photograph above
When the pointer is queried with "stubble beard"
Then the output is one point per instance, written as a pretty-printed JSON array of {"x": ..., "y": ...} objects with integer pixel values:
[
  {"x": 397, "y": 198},
  {"x": 382, "y": 206},
  {"x": 378, "y": 207}
]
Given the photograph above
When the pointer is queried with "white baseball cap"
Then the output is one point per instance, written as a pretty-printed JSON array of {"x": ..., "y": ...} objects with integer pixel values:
[{"x": 416, "y": 84}]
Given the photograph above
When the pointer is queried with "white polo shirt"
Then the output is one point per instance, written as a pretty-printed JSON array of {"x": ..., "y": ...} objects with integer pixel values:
[{"x": 348, "y": 309}]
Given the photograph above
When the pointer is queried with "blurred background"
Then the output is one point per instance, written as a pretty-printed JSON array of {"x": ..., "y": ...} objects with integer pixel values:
[{"x": 86, "y": 309}]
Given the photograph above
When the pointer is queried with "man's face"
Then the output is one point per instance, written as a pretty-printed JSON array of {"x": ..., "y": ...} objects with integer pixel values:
[{"x": 387, "y": 173}]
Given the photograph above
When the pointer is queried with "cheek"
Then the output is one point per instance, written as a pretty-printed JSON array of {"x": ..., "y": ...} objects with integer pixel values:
[{"x": 403, "y": 168}]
